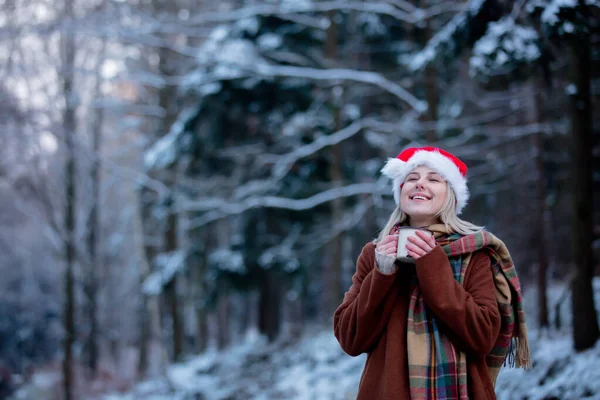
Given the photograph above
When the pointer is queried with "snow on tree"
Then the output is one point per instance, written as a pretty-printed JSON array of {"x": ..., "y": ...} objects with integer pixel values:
[
  {"x": 505, "y": 46},
  {"x": 166, "y": 266}
]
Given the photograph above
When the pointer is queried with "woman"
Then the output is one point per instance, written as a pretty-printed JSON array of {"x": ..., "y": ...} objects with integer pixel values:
[{"x": 440, "y": 328}]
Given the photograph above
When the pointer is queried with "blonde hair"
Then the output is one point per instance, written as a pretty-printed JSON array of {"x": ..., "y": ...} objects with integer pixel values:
[{"x": 446, "y": 215}]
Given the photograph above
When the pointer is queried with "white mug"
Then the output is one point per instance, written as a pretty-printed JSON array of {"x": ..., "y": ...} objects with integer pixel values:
[{"x": 403, "y": 233}]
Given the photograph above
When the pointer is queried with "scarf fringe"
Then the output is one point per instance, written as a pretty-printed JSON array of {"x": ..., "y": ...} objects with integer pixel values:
[
  {"x": 510, "y": 355},
  {"x": 522, "y": 356},
  {"x": 518, "y": 355}
]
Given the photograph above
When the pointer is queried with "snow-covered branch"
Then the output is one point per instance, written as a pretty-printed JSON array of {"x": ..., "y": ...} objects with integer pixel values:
[
  {"x": 341, "y": 74},
  {"x": 307, "y": 7},
  {"x": 444, "y": 36},
  {"x": 419, "y": 60},
  {"x": 403, "y": 5},
  {"x": 222, "y": 208},
  {"x": 351, "y": 218},
  {"x": 283, "y": 165},
  {"x": 167, "y": 265},
  {"x": 262, "y": 69}
]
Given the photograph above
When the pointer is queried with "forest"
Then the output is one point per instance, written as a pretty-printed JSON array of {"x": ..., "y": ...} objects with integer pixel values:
[{"x": 185, "y": 186}]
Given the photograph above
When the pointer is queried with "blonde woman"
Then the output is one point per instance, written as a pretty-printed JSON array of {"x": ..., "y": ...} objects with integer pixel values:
[{"x": 441, "y": 327}]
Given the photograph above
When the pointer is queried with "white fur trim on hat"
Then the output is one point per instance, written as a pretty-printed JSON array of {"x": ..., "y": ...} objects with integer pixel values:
[{"x": 398, "y": 170}]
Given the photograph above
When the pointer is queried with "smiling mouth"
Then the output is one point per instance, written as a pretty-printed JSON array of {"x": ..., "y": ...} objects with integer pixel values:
[{"x": 420, "y": 197}]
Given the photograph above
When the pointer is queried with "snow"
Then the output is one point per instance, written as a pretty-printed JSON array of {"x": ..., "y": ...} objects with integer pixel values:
[
  {"x": 568, "y": 27},
  {"x": 443, "y": 38},
  {"x": 227, "y": 260},
  {"x": 210, "y": 88},
  {"x": 422, "y": 58},
  {"x": 550, "y": 14},
  {"x": 280, "y": 255},
  {"x": 553, "y": 8},
  {"x": 504, "y": 45},
  {"x": 164, "y": 151},
  {"x": 223, "y": 57},
  {"x": 372, "y": 24},
  {"x": 315, "y": 367},
  {"x": 249, "y": 25},
  {"x": 269, "y": 41},
  {"x": 557, "y": 373},
  {"x": 237, "y": 52},
  {"x": 167, "y": 265},
  {"x": 283, "y": 255},
  {"x": 297, "y": 124},
  {"x": 351, "y": 111},
  {"x": 571, "y": 89}
]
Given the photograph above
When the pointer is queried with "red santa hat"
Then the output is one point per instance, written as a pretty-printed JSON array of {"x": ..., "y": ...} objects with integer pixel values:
[{"x": 447, "y": 165}]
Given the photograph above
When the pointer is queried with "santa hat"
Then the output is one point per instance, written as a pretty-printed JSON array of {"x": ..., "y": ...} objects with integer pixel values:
[{"x": 448, "y": 166}]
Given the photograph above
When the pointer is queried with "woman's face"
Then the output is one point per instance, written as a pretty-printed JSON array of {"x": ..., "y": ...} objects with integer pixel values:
[{"x": 423, "y": 196}]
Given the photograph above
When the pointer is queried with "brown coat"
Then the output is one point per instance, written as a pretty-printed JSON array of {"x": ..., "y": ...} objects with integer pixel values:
[{"x": 373, "y": 317}]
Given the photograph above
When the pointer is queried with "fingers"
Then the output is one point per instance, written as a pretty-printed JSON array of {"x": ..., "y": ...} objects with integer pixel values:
[
  {"x": 427, "y": 238},
  {"x": 415, "y": 251},
  {"x": 417, "y": 246},
  {"x": 390, "y": 239},
  {"x": 420, "y": 244},
  {"x": 389, "y": 245}
]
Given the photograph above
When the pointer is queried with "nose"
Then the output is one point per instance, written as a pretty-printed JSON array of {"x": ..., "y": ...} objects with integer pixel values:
[{"x": 421, "y": 184}]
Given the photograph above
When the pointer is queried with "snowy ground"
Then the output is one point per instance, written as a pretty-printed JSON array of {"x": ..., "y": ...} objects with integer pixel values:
[{"x": 316, "y": 368}]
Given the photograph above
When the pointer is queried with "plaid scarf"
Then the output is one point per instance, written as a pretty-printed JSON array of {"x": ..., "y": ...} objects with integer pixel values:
[{"x": 437, "y": 370}]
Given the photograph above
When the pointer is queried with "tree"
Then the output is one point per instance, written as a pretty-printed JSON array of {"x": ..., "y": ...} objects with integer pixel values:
[
  {"x": 570, "y": 23},
  {"x": 585, "y": 317},
  {"x": 69, "y": 129},
  {"x": 94, "y": 225}
]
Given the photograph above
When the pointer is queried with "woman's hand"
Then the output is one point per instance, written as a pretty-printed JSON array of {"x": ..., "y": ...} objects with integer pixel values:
[
  {"x": 388, "y": 246},
  {"x": 420, "y": 245}
]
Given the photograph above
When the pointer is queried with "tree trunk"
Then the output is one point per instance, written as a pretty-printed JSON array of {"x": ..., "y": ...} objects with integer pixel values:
[
  {"x": 542, "y": 211},
  {"x": 333, "y": 290},
  {"x": 201, "y": 329},
  {"x": 269, "y": 301},
  {"x": 430, "y": 77},
  {"x": 332, "y": 273},
  {"x": 171, "y": 295},
  {"x": 431, "y": 91},
  {"x": 223, "y": 337},
  {"x": 94, "y": 229},
  {"x": 68, "y": 57},
  {"x": 585, "y": 322},
  {"x": 198, "y": 298},
  {"x": 144, "y": 341},
  {"x": 149, "y": 313},
  {"x": 166, "y": 101}
]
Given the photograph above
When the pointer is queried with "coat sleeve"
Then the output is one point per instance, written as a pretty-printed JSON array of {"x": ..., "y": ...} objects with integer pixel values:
[
  {"x": 361, "y": 318},
  {"x": 469, "y": 311}
]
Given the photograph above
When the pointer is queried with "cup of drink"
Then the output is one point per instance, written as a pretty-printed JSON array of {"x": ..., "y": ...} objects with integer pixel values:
[{"x": 403, "y": 233}]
